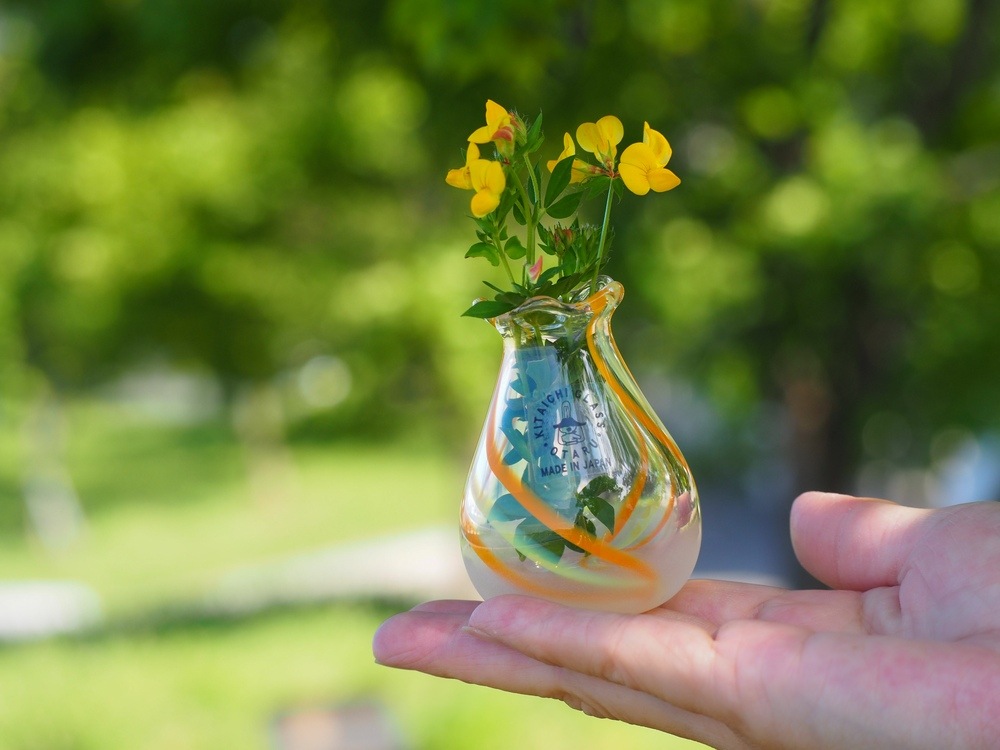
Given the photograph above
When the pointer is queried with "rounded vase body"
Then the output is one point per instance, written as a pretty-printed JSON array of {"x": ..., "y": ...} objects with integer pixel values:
[{"x": 577, "y": 493}]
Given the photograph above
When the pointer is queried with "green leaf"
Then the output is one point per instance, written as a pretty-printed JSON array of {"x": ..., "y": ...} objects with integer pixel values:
[
  {"x": 514, "y": 248},
  {"x": 559, "y": 180},
  {"x": 494, "y": 287},
  {"x": 513, "y": 298},
  {"x": 603, "y": 511},
  {"x": 590, "y": 498},
  {"x": 517, "y": 441},
  {"x": 507, "y": 508},
  {"x": 486, "y": 223},
  {"x": 518, "y": 215},
  {"x": 523, "y": 384},
  {"x": 514, "y": 410},
  {"x": 547, "y": 275},
  {"x": 565, "y": 284},
  {"x": 484, "y": 250},
  {"x": 566, "y": 206},
  {"x": 530, "y": 536},
  {"x": 599, "y": 485},
  {"x": 487, "y": 308},
  {"x": 535, "y": 133},
  {"x": 570, "y": 545},
  {"x": 596, "y": 186},
  {"x": 532, "y": 198}
]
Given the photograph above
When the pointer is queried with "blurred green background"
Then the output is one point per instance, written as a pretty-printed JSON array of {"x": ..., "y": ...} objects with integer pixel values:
[{"x": 231, "y": 277}]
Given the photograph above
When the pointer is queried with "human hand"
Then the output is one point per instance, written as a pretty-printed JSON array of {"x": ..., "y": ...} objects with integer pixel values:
[{"x": 903, "y": 652}]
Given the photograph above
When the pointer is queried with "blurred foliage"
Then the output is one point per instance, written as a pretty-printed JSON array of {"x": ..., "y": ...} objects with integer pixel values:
[{"x": 238, "y": 188}]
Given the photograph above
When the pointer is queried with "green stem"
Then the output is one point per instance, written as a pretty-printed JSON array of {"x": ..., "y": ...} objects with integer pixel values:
[
  {"x": 503, "y": 257},
  {"x": 529, "y": 214},
  {"x": 604, "y": 235},
  {"x": 534, "y": 219}
]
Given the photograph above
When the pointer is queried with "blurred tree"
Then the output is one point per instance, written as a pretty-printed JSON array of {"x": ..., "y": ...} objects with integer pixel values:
[{"x": 246, "y": 186}]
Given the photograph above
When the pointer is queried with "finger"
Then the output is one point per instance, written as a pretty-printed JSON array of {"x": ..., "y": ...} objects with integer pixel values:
[
  {"x": 448, "y": 607},
  {"x": 670, "y": 656},
  {"x": 718, "y": 602},
  {"x": 854, "y": 543},
  {"x": 607, "y": 700},
  {"x": 440, "y": 644}
]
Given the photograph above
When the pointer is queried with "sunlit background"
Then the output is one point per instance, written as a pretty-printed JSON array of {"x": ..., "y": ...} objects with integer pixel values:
[{"x": 237, "y": 401}]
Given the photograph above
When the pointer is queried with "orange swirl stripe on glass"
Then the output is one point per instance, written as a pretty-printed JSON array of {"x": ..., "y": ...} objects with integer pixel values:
[
  {"x": 598, "y": 304},
  {"x": 633, "y": 411},
  {"x": 644, "y": 577}
]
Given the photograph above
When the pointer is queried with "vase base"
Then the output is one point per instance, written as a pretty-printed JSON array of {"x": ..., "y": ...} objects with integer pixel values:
[{"x": 586, "y": 583}]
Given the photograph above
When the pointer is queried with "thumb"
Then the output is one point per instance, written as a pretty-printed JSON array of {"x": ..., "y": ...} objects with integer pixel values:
[{"x": 854, "y": 543}]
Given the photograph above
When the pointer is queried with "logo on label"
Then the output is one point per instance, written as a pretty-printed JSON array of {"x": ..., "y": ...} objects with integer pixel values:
[{"x": 567, "y": 431}]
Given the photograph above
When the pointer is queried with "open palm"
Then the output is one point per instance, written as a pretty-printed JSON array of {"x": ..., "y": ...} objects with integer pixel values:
[{"x": 902, "y": 652}]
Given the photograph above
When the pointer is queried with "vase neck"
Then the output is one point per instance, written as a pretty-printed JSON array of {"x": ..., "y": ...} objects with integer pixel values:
[{"x": 542, "y": 321}]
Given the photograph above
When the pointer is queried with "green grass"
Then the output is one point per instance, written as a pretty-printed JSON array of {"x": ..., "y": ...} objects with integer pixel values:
[
  {"x": 195, "y": 513},
  {"x": 170, "y": 511},
  {"x": 206, "y": 687}
]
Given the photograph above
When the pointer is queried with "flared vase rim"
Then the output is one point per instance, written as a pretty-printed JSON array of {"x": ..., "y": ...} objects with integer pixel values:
[{"x": 607, "y": 296}]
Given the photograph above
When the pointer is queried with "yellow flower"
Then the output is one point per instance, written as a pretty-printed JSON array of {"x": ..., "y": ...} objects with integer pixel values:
[
  {"x": 601, "y": 138},
  {"x": 482, "y": 175},
  {"x": 498, "y": 125},
  {"x": 460, "y": 177},
  {"x": 580, "y": 167},
  {"x": 489, "y": 182},
  {"x": 643, "y": 164}
]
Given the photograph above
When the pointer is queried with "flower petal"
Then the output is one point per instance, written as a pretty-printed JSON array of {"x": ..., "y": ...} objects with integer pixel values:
[
  {"x": 481, "y": 135},
  {"x": 497, "y": 125},
  {"x": 495, "y": 114},
  {"x": 535, "y": 271},
  {"x": 589, "y": 138},
  {"x": 569, "y": 149},
  {"x": 601, "y": 138},
  {"x": 459, "y": 178},
  {"x": 487, "y": 175},
  {"x": 639, "y": 155},
  {"x": 658, "y": 144},
  {"x": 636, "y": 163},
  {"x": 634, "y": 178},
  {"x": 612, "y": 130},
  {"x": 662, "y": 180},
  {"x": 483, "y": 202}
]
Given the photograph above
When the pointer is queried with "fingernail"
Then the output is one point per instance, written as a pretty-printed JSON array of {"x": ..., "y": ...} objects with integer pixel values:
[{"x": 478, "y": 632}]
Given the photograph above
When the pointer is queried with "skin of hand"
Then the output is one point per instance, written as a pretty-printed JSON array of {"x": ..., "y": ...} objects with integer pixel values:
[{"x": 903, "y": 651}]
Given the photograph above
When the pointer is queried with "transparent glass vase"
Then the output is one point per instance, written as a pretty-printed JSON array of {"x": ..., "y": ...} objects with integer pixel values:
[{"x": 577, "y": 493}]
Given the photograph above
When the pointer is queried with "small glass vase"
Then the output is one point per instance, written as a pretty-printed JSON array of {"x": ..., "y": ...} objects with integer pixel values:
[{"x": 577, "y": 493}]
